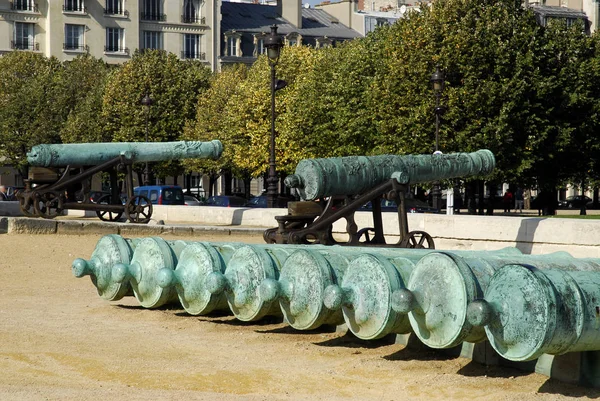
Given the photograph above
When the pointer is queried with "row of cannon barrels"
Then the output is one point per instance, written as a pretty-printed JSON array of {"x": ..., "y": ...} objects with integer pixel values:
[{"x": 525, "y": 305}]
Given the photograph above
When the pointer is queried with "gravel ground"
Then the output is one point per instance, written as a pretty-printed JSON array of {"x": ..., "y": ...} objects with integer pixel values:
[{"x": 60, "y": 341}]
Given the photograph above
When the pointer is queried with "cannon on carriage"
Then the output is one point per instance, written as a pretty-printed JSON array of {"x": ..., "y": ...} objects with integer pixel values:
[
  {"x": 58, "y": 170},
  {"x": 345, "y": 184}
]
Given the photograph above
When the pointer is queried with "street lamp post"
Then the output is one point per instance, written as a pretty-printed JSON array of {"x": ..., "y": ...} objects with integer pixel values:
[
  {"x": 147, "y": 102},
  {"x": 437, "y": 80},
  {"x": 273, "y": 43}
]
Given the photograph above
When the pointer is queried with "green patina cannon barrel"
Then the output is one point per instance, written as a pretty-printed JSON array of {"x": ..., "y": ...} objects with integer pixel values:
[
  {"x": 150, "y": 255},
  {"x": 444, "y": 284},
  {"x": 248, "y": 267},
  {"x": 302, "y": 280},
  {"x": 110, "y": 250},
  {"x": 528, "y": 312},
  {"x": 316, "y": 178},
  {"x": 368, "y": 288},
  {"x": 196, "y": 262},
  {"x": 87, "y": 154}
]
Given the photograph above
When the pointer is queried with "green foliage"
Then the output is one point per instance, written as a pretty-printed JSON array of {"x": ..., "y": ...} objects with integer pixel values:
[
  {"x": 27, "y": 117},
  {"x": 80, "y": 88},
  {"x": 174, "y": 87},
  {"x": 211, "y": 119}
]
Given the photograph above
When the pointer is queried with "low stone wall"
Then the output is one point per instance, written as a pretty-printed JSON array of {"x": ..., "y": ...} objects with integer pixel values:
[{"x": 532, "y": 235}]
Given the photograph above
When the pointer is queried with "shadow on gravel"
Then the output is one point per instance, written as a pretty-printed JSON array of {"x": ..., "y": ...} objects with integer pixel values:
[
  {"x": 290, "y": 330},
  {"x": 348, "y": 340},
  {"x": 552, "y": 386},
  {"x": 214, "y": 314},
  {"x": 140, "y": 307},
  {"x": 232, "y": 321},
  {"x": 420, "y": 354},
  {"x": 475, "y": 369}
]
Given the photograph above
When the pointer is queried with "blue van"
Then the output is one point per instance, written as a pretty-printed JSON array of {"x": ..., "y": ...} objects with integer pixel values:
[{"x": 161, "y": 194}]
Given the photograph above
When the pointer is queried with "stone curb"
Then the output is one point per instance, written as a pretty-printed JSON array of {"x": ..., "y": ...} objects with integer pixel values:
[{"x": 24, "y": 225}]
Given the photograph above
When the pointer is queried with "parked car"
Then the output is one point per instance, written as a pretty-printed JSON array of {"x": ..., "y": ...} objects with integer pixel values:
[
  {"x": 226, "y": 201},
  {"x": 261, "y": 201},
  {"x": 191, "y": 201},
  {"x": 412, "y": 206},
  {"x": 161, "y": 194},
  {"x": 574, "y": 202}
]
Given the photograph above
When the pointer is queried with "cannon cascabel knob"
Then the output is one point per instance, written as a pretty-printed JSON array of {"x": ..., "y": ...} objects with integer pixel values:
[
  {"x": 403, "y": 301},
  {"x": 166, "y": 278},
  {"x": 479, "y": 313},
  {"x": 216, "y": 283},
  {"x": 81, "y": 267}
]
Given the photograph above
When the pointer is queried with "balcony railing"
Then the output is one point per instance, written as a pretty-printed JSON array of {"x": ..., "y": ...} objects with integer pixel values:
[
  {"x": 193, "y": 55},
  {"x": 116, "y": 49},
  {"x": 154, "y": 17},
  {"x": 112, "y": 11},
  {"x": 24, "y": 6},
  {"x": 76, "y": 48},
  {"x": 74, "y": 9},
  {"x": 17, "y": 45},
  {"x": 193, "y": 19}
]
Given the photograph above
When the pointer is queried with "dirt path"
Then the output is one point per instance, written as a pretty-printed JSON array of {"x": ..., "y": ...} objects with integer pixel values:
[{"x": 60, "y": 341}]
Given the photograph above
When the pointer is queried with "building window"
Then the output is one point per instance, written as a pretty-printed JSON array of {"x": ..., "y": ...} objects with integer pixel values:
[
  {"x": 324, "y": 42},
  {"x": 24, "y": 5},
  {"x": 152, "y": 40},
  {"x": 293, "y": 39},
  {"x": 152, "y": 11},
  {"x": 74, "y": 6},
  {"x": 74, "y": 37},
  {"x": 114, "y": 7},
  {"x": 191, "y": 46},
  {"x": 191, "y": 11},
  {"x": 259, "y": 44},
  {"x": 232, "y": 46},
  {"x": 114, "y": 40},
  {"x": 23, "y": 37}
]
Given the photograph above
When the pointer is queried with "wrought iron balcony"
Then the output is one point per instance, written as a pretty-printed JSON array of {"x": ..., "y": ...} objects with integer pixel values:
[
  {"x": 76, "y": 48},
  {"x": 74, "y": 8},
  {"x": 19, "y": 45},
  {"x": 193, "y": 19},
  {"x": 112, "y": 11},
  {"x": 193, "y": 55},
  {"x": 153, "y": 17},
  {"x": 24, "y": 5},
  {"x": 116, "y": 49}
]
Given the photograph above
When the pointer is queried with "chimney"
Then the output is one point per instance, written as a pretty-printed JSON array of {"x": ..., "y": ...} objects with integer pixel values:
[{"x": 291, "y": 10}]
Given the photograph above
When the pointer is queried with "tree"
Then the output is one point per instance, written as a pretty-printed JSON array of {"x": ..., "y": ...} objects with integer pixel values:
[
  {"x": 211, "y": 122},
  {"x": 27, "y": 117},
  {"x": 173, "y": 84},
  {"x": 79, "y": 90}
]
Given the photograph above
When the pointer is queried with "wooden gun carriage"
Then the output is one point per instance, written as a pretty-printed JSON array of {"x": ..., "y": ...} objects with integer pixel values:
[
  {"x": 58, "y": 171},
  {"x": 345, "y": 184}
]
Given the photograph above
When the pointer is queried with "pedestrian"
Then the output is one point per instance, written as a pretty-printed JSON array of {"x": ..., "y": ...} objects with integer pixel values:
[
  {"x": 519, "y": 200},
  {"x": 3, "y": 194},
  {"x": 507, "y": 200}
]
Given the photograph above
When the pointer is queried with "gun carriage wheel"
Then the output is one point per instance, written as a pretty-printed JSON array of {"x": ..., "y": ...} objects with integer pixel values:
[
  {"x": 107, "y": 215},
  {"x": 418, "y": 240},
  {"x": 26, "y": 204},
  {"x": 48, "y": 205},
  {"x": 138, "y": 209}
]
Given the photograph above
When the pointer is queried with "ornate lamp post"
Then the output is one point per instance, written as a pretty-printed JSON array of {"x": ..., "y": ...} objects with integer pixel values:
[
  {"x": 147, "y": 102},
  {"x": 273, "y": 43},
  {"x": 437, "y": 80}
]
